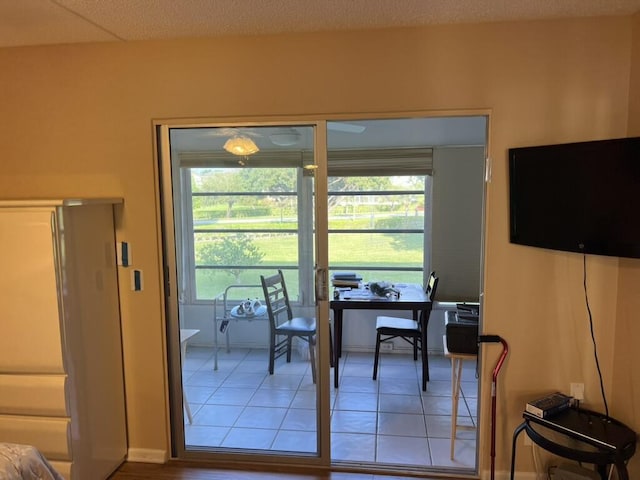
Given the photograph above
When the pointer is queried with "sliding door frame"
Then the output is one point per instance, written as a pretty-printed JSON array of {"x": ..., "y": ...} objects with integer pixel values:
[
  {"x": 172, "y": 307},
  {"x": 165, "y": 208}
]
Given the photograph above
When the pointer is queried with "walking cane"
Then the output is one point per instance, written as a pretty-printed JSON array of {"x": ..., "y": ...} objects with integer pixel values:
[{"x": 494, "y": 388}]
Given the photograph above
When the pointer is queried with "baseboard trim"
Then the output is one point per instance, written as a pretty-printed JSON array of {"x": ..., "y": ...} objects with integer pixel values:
[
  {"x": 146, "y": 455},
  {"x": 502, "y": 475}
]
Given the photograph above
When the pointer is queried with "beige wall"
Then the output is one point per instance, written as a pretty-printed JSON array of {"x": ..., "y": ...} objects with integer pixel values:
[
  {"x": 77, "y": 121},
  {"x": 634, "y": 88},
  {"x": 626, "y": 378}
]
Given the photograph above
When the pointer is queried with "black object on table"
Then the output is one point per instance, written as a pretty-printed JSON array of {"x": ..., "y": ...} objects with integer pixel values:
[
  {"x": 461, "y": 331},
  {"x": 601, "y": 440},
  {"x": 412, "y": 297}
]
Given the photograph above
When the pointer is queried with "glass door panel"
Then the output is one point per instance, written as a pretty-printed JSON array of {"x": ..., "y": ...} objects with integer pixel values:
[{"x": 243, "y": 210}]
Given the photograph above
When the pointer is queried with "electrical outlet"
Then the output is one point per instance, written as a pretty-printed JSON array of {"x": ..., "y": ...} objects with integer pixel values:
[
  {"x": 577, "y": 391},
  {"x": 386, "y": 347}
]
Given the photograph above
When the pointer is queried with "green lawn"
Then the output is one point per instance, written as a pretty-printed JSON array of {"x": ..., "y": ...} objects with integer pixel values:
[
  {"x": 345, "y": 250},
  {"x": 379, "y": 221}
]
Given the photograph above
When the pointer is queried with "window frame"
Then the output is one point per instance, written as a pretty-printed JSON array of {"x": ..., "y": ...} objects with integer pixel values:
[
  {"x": 426, "y": 193},
  {"x": 398, "y": 161},
  {"x": 304, "y": 232},
  {"x": 189, "y": 290}
]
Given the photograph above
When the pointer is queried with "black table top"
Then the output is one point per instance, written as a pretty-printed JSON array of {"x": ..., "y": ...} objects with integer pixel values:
[
  {"x": 590, "y": 427},
  {"x": 411, "y": 297}
]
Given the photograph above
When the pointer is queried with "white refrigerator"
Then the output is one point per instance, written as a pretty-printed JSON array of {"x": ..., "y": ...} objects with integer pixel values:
[{"x": 61, "y": 366}]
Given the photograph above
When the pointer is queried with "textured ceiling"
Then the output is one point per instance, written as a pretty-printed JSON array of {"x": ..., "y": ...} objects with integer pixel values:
[{"x": 41, "y": 22}]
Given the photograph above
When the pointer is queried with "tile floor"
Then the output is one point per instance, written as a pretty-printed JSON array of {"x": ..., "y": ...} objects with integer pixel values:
[{"x": 389, "y": 421}]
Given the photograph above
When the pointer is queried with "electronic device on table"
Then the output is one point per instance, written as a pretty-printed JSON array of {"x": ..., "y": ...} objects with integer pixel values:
[{"x": 461, "y": 328}]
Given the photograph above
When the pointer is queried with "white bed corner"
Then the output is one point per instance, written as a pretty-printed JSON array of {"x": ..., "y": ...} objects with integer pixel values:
[{"x": 24, "y": 462}]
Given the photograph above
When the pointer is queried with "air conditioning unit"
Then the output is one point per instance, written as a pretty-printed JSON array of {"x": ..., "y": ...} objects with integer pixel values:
[{"x": 572, "y": 472}]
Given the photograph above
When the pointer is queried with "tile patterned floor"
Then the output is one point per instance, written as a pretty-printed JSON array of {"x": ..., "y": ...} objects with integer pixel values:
[{"x": 388, "y": 421}]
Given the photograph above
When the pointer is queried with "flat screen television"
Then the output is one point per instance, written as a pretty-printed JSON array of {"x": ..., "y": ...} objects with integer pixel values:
[{"x": 577, "y": 197}]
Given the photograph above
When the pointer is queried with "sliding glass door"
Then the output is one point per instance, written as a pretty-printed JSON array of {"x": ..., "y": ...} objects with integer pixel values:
[{"x": 385, "y": 199}]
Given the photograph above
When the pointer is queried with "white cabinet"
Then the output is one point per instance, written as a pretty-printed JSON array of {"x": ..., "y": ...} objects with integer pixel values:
[{"x": 61, "y": 374}]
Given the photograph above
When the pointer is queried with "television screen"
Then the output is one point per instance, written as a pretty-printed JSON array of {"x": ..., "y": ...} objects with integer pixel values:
[{"x": 577, "y": 197}]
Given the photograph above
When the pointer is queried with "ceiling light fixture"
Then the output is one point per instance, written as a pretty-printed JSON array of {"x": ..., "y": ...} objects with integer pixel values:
[
  {"x": 285, "y": 137},
  {"x": 241, "y": 145}
]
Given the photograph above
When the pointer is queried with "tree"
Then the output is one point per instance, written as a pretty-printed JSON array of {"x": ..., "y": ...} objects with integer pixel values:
[
  {"x": 231, "y": 251},
  {"x": 274, "y": 181},
  {"x": 354, "y": 184},
  {"x": 215, "y": 180}
]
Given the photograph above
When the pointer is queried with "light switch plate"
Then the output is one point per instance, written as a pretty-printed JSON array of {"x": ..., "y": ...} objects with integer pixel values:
[
  {"x": 137, "y": 283},
  {"x": 123, "y": 254}
]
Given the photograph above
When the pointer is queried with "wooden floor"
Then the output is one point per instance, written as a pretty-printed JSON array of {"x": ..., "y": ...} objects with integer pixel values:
[{"x": 186, "y": 471}]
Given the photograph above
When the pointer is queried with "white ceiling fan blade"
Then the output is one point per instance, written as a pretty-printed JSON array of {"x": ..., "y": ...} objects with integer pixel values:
[
  {"x": 345, "y": 127},
  {"x": 285, "y": 136},
  {"x": 230, "y": 131}
]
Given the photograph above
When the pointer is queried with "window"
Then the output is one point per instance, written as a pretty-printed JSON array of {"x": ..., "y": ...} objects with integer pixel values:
[
  {"x": 242, "y": 219},
  {"x": 376, "y": 226},
  {"x": 379, "y": 204},
  {"x": 244, "y": 224}
]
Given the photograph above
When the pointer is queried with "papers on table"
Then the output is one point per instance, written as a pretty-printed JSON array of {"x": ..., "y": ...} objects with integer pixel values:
[{"x": 359, "y": 294}]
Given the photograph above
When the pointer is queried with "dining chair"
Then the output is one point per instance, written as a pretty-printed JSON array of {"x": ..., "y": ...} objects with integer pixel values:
[
  {"x": 409, "y": 330},
  {"x": 282, "y": 323}
]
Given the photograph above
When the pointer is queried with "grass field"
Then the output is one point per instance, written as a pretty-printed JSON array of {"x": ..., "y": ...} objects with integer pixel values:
[{"x": 346, "y": 251}]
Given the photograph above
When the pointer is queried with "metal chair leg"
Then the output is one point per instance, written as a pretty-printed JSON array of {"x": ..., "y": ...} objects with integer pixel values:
[
  {"x": 272, "y": 353},
  {"x": 375, "y": 358}
]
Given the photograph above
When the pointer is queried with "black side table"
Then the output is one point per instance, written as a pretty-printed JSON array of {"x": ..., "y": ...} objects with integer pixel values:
[{"x": 601, "y": 440}]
